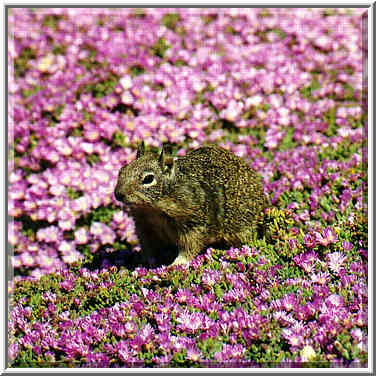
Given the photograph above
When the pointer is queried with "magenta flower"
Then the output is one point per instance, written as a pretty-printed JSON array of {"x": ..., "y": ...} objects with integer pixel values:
[
  {"x": 81, "y": 236},
  {"x": 13, "y": 350},
  {"x": 184, "y": 296},
  {"x": 293, "y": 243},
  {"x": 309, "y": 241},
  {"x": 80, "y": 204},
  {"x": 294, "y": 337},
  {"x": 347, "y": 246},
  {"x": 97, "y": 360},
  {"x": 67, "y": 285},
  {"x": 335, "y": 261},
  {"x": 229, "y": 353},
  {"x": 66, "y": 247},
  {"x": 327, "y": 237},
  {"x": 193, "y": 354},
  {"x": 289, "y": 302},
  {"x": 283, "y": 318},
  {"x": 321, "y": 278},
  {"x": 211, "y": 277},
  {"x": 235, "y": 295},
  {"x": 335, "y": 301},
  {"x": 190, "y": 322},
  {"x": 306, "y": 260},
  {"x": 49, "y": 296},
  {"x": 49, "y": 234}
]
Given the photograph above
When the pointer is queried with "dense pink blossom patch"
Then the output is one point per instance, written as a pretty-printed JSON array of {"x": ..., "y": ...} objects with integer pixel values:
[{"x": 281, "y": 88}]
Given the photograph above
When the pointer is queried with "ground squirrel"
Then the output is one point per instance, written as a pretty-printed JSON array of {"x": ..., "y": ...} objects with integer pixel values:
[{"x": 183, "y": 205}]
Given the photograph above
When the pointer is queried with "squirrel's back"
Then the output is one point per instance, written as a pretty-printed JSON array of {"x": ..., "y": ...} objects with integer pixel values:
[{"x": 230, "y": 184}]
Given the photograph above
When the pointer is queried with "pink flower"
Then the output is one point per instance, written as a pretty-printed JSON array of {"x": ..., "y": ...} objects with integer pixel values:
[
  {"x": 125, "y": 352},
  {"x": 193, "y": 354},
  {"x": 66, "y": 247},
  {"x": 306, "y": 260},
  {"x": 81, "y": 236},
  {"x": 357, "y": 334},
  {"x": 190, "y": 322},
  {"x": 80, "y": 204},
  {"x": 27, "y": 259},
  {"x": 13, "y": 350},
  {"x": 48, "y": 234},
  {"x": 293, "y": 337},
  {"x": 211, "y": 277},
  {"x": 309, "y": 241},
  {"x": 335, "y": 300},
  {"x": 72, "y": 257},
  {"x": 335, "y": 261},
  {"x": 97, "y": 228},
  {"x": 233, "y": 110},
  {"x": 320, "y": 278},
  {"x": 289, "y": 302},
  {"x": 67, "y": 285},
  {"x": 347, "y": 246},
  {"x": 230, "y": 352},
  {"x": 327, "y": 237}
]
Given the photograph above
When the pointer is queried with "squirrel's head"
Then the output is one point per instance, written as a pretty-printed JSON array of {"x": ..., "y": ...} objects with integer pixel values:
[{"x": 145, "y": 180}]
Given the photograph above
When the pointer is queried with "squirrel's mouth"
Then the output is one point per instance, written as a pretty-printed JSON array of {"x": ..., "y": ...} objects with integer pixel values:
[
  {"x": 133, "y": 203},
  {"x": 131, "y": 200}
]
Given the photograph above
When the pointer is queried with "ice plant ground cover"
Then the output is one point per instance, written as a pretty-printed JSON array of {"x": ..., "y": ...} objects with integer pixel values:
[{"x": 281, "y": 88}]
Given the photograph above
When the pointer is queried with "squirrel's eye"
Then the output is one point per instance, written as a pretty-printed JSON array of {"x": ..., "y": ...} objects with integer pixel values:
[{"x": 148, "y": 179}]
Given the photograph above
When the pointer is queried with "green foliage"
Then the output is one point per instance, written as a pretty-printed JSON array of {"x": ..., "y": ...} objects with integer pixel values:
[
  {"x": 77, "y": 132},
  {"x": 210, "y": 347},
  {"x": 101, "y": 214},
  {"x": 170, "y": 20},
  {"x": 344, "y": 150},
  {"x": 59, "y": 49},
  {"x": 306, "y": 92},
  {"x": 92, "y": 159},
  {"x": 90, "y": 299},
  {"x": 160, "y": 47},
  {"x": 287, "y": 142},
  {"x": 30, "y": 227},
  {"x": 26, "y": 93},
  {"x": 209, "y": 18},
  {"x": 230, "y": 30},
  {"x": 357, "y": 229},
  {"x": 277, "y": 222},
  {"x": 90, "y": 62},
  {"x": 102, "y": 88},
  {"x": 330, "y": 118},
  {"x": 136, "y": 70},
  {"x": 72, "y": 194},
  {"x": 21, "y": 63},
  {"x": 281, "y": 33},
  {"x": 51, "y": 20},
  {"x": 349, "y": 94},
  {"x": 180, "y": 63},
  {"x": 120, "y": 139}
]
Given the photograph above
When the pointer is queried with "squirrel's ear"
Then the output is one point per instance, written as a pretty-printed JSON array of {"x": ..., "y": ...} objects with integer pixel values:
[
  {"x": 140, "y": 149},
  {"x": 166, "y": 161},
  {"x": 167, "y": 148},
  {"x": 165, "y": 156}
]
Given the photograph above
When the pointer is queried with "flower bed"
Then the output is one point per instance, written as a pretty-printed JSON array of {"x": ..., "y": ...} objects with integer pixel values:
[{"x": 281, "y": 88}]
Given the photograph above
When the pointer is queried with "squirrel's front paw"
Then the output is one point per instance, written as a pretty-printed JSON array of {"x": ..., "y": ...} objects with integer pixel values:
[{"x": 180, "y": 260}]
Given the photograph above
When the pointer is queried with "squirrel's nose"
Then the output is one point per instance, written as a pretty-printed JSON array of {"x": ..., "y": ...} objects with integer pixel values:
[{"x": 119, "y": 196}]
